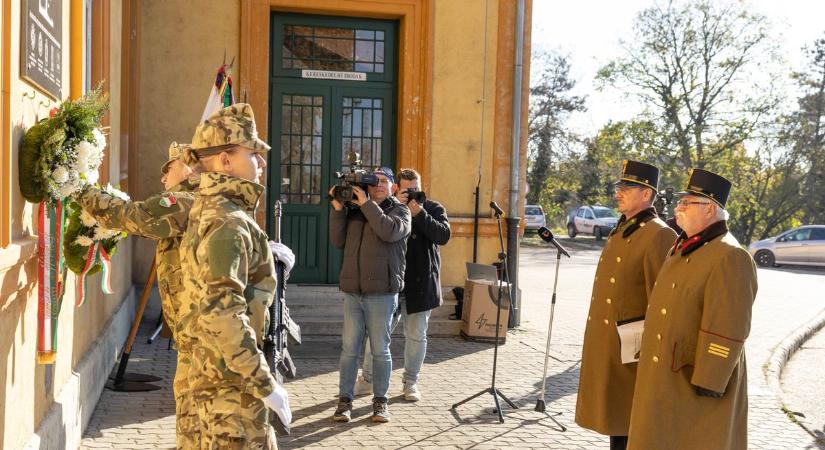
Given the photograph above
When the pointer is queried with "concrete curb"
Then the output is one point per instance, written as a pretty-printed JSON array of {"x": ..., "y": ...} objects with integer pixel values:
[
  {"x": 783, "y": 353},
  {"x": 787, "y": 347}
]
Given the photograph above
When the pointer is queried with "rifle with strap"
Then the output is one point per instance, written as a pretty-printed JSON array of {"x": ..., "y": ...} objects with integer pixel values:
[{"x": 282, "y": 329}]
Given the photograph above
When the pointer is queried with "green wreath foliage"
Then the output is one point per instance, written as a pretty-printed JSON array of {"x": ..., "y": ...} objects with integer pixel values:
[
  {"x": 41, "y": 150},
  {"x": 74, "y": 253}
]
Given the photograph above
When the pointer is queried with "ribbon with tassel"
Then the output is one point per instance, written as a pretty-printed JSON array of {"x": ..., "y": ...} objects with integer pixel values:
[
  {"x": 96, "y": 254},
  {"x": 51, "y": 276}
]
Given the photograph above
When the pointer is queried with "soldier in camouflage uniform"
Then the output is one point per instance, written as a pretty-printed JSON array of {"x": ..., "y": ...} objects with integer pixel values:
[
  {"x": 229, "y": 283},
  {"x": 162, "y": 217}
]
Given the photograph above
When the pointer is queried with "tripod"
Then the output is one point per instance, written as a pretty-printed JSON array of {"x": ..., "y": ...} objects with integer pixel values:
[
  {"x": 540, "y": 405},
  {"x": 493, "y": 390}
]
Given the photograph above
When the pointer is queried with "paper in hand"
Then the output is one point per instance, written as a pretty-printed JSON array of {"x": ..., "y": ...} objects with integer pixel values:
[{"x": 630, "y": 338}]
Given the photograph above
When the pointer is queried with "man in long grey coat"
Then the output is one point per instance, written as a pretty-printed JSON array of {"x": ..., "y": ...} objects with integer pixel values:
[
  {"x": 627, "y": 270},
  {"x": 691, "y": 386}
]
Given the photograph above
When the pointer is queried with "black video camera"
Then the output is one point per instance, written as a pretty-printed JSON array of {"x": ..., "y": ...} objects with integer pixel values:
[
  {"x": 663, "y": 202},
  {"x": 355, "y": 177},
  {"x": 418, "y": 196}
]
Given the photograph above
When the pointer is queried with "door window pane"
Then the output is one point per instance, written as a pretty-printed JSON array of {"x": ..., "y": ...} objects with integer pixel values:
[
  {"x": 331, "y": 48},
  {"x": 301, "y": 140},
  {"x": 361, "y": 130}
]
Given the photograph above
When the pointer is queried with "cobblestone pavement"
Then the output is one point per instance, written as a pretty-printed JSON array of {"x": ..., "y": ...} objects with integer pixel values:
[{"x": 456, "y": 369}]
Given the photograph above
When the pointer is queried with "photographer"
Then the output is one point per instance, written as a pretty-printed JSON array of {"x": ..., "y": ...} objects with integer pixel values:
[
  {"x": 422, "y": 281},
  {"x": 373, "y": 232}
]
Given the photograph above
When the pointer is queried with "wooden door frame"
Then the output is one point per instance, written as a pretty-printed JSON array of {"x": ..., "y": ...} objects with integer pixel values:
[{"x": 413, "y": 98}]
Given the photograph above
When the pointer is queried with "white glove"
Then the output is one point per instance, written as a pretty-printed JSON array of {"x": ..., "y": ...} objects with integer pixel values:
[
  {"x": 278, "y": 401},
  {"x": 283, "y": 254}
]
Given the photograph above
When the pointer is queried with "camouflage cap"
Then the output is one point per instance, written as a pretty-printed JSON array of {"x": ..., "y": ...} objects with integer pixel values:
[
  {"x": 175, "y": 152},
  {"x": 233, "y": 125}
]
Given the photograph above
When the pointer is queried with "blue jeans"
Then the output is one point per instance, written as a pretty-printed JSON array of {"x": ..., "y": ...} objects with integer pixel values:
[
  {"x": 366, "y": 314},
  {"x": 415, "y": 342}
]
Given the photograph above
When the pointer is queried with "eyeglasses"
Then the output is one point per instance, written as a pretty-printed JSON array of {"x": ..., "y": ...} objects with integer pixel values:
[{"x": 685, "y": 203}]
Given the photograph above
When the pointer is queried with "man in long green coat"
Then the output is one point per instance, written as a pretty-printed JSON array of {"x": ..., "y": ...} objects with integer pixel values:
[
  {"x": 627, "y": 269},
  {"x": 691, "y": 386}
]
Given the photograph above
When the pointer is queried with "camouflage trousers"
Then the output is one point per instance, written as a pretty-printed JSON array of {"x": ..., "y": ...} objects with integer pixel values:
[
  {"x": 231, "y": 419},
  {"x": 187, "y": 425}
]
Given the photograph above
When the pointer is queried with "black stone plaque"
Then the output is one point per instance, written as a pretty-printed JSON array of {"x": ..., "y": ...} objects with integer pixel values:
[{"x": 41, "y": 45}]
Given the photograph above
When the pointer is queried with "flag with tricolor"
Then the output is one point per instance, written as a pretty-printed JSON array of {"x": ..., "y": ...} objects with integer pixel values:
[{"x": 221, "y": 95}]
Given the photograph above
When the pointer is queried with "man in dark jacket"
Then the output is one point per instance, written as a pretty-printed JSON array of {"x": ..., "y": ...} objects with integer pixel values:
[
  {"x": 422, "y": 282},
  {"x": 373, "y": 233}
]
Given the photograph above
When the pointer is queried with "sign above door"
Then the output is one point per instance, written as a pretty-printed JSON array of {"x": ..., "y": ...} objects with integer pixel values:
[{"x": 333, "y": 75}]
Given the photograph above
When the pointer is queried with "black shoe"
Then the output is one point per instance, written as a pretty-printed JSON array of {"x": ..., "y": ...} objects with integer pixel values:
[
  {"x": 343, "y": 413},
  {"x": 380, "y": 412}
]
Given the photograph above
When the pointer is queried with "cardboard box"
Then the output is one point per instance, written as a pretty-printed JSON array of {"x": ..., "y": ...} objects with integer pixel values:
[{"x": 478, "y": 316}]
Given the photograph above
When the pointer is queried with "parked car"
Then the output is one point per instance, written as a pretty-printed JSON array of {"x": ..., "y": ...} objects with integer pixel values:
[
  {"x": 533, "y": 217},
  {"x": 595, "y": 220},
  {"x": 803, "y": 245}
]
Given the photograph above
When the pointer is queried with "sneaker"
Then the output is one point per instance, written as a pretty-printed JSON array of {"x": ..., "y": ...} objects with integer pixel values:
[
  {"x": 362, "y": 386},
  {"x": 343, "y": 413},
  {"x": 411, "y": 392},
  {"x": 380, "y": 411}
]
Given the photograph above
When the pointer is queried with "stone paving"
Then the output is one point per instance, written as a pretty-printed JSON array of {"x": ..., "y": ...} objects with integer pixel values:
[{"x": 456, "y": 369}]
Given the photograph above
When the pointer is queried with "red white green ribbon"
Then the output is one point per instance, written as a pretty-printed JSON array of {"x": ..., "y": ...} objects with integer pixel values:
[
  {"x": 96, "y": 254},
  {"x": 50, "y": 277}
]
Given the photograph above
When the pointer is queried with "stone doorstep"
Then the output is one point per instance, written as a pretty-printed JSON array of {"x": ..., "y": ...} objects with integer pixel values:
[{"x": 318, "y": 309}]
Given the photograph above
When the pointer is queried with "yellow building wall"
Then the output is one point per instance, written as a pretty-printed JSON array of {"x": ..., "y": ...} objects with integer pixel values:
[
  {"x": 182, "y": 44},
  {"x": 27, "y": 390},
  {"x": 465, "y": 100},
  {"x": 464, "y": 87}
]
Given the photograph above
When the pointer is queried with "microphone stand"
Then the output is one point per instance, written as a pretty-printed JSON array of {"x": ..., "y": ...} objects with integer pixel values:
[
  {"x": 492, "y": 390},
  {"x": 540, "y": 405}
]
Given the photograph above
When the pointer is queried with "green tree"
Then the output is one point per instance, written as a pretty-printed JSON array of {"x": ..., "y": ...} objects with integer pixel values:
[
  {"x": 702, "y": 71},
  {"x": 807, "y": 132},
  {"x": 551, "y": 103}
]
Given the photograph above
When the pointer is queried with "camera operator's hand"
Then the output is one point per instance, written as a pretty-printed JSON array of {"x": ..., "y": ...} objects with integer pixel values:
[
  {"x": 361, "y": 197},
  {"x": 335, "y": 203},
  {"x": 403, "y": 196},
  {"x": 415, "y": 207}
]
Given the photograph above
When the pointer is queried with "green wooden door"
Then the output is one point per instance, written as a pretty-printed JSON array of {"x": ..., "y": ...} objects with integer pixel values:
[{"x": 315, "y": 122}]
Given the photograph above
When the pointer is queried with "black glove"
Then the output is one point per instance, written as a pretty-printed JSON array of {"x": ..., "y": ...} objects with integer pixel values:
[{"x": 708, "y": 393}]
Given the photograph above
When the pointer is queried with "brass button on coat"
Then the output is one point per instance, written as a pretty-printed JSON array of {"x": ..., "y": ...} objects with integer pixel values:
[
  {"x": 655, "y": 359},
  {"x": 606, "y": 321},
  {"x": 609, "y": 301},
  {"x": 664, "y": 311},
  {"x": 658, "y": 336},
  {"x": 612, "y": 280},
  {"x": 618, "y": 259}
]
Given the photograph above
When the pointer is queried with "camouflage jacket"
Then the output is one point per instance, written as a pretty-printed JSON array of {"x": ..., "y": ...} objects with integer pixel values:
[
  {"x": 229, "y": 283},
  {"x": 162, "y": 217}
]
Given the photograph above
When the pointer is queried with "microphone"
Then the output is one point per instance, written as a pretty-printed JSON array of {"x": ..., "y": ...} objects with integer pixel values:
[
  {"x": 547, "y": 236},
  {"x": 495, "y": 207}
]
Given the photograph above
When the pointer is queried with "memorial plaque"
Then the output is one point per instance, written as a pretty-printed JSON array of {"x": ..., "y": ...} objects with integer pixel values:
[{"x": 41, "y": 45}]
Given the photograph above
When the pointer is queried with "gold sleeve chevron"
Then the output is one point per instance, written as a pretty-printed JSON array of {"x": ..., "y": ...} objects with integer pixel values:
[{"x": 718, "y": 350}]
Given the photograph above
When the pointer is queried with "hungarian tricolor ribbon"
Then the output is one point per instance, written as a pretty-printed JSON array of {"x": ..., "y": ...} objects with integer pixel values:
[
  {"x": 96, "y": 254},
  {"x": 50, "y": 276}
]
